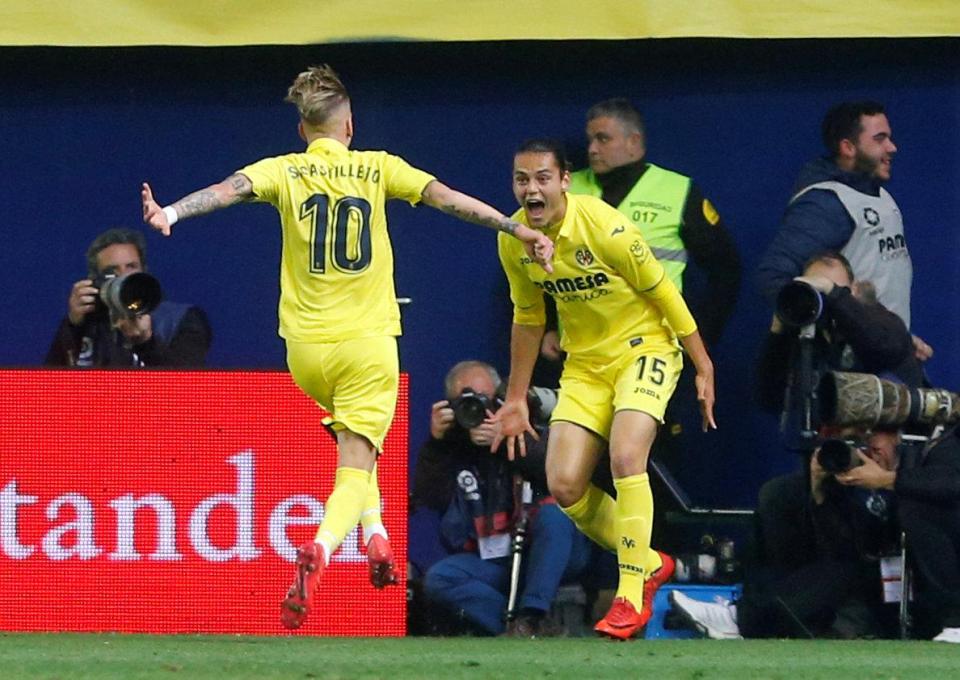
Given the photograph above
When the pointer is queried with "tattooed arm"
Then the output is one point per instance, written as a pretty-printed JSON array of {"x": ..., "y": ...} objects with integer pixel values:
[
  {"x": 438, "y": 195},
  {"x": 233, "y": 189}
]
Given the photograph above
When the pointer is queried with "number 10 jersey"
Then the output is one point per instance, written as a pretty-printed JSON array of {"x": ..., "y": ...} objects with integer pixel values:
[{"x": 336, "y": 269}]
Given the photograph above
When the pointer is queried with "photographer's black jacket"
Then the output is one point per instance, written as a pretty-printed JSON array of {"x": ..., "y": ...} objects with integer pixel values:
[
  {"x": 439, "y": 461},
  {"x": 854, "y": 524},
  {"x": 851, "y": 336},
  {"x": 845, "y": 527},
  {"x": 934, "y": 475},
  {"x": 473, "y": 489},
  {"x": 181, "y": 338}
]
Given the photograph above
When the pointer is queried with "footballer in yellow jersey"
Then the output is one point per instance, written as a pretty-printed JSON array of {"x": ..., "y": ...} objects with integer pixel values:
[
  {"x": 336, "y": 249},
  {"x": 624, "y": 322},
  {"x": 336, "y": 260},
  {"x": 598, "y": 278}
]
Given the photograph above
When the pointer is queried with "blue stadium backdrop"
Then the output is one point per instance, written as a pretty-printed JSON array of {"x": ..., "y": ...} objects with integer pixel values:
[{"x": 82, "y": 128}]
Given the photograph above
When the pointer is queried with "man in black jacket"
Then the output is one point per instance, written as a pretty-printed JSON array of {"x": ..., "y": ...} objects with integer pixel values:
[
  {"x": 171, "y": 335},
  {"x": 820, "y": 539},
  {"x": 854, "y": 333},
  {"x": 927, "y": 491},
  {"x": 820, "y": 534},
  {"x": 474, "y": 490},
  {"x": 671, "y": 212}
]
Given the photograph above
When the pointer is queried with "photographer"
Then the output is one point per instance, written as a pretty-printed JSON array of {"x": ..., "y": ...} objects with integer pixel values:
[
  {"x": 172, "y": 334},
  {"x": 821, "y": 535},
  {"x": 839, "y": 327},
  {"x": 820, "y": 531},
  {"x": 819, "y": 544},
  {"x": 822, "y": 564},
  {"x": 926, "y": 485},
  {"x": 475, "y": 491},
  {"x": 853, "y": 332}
]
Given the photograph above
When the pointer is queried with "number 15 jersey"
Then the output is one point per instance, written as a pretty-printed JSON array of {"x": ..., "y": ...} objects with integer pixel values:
[{"x": 336, "y": 269}]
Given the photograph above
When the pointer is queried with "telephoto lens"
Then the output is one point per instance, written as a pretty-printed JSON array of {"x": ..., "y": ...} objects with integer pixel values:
[
  {"x": 799, "y": 304},
  {"x": 864, "y": 399},
  {"x": 130, "y": 295}
]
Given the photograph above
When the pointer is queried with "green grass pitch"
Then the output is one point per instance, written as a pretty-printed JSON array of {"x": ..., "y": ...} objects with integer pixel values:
[{"x": 131, "y": 657}]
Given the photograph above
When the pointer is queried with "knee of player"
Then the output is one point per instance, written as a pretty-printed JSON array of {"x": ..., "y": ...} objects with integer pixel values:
[
  {"x": 566, "y": 488},
  {"x": 626, "y": 462}
]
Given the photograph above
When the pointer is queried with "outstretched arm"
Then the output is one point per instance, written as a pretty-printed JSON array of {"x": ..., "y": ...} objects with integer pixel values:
[
  {"x": 438, "y": 195},
  {"x": 514, "y": 415},
  {"x": 233, "y": 189}
]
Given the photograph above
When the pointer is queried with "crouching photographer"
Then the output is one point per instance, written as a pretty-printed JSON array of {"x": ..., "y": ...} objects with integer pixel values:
[
  {"x": 924, "y": 484},
  {"x": 920, "y": 482},
  {"x": 480, "y": 497},
  {"x": 116, "y": 316},
  {"x": 823, "y": 537},
  {"x": 819, "y": 547},
  {"x": 821, "y": 544}
]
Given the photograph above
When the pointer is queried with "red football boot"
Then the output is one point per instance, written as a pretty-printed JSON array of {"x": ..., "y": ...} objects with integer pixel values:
[
  {"x": 622, "y": 622},
  {"x": 296, "y": 605},
  {"x": 380, "y": 558},
  {"x": 657, "y": 579}
]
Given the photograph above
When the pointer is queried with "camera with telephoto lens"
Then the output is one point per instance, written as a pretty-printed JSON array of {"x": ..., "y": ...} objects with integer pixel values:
[
  {"x": 129, "y": 295},
  {"x": 470, "y": 408},
  {"x": 799, "y": 304},
  {"x": 836, "y": 456}
]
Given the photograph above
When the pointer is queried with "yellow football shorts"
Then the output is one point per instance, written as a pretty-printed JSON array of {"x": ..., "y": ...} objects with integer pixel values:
[
  {"x": 642, "y": 380},
  {"x": 355, "y": 380}
]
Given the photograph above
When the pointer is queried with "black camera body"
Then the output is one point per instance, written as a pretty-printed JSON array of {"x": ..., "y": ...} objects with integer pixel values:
[
  {"x": 836, "y": 456},
  {"x": 470, "y": 408}
]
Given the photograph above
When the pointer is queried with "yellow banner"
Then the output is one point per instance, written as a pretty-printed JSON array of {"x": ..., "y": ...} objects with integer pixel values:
[{"x": 292, "y": 22}]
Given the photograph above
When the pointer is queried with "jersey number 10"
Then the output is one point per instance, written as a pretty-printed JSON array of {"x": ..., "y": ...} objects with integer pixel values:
[{"x": 346, "y": 210}]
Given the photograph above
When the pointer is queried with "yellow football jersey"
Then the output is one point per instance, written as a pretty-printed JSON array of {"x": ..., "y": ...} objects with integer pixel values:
[
  {"x": 336, "y": 270},
  {"x": 608, "y": 287}
]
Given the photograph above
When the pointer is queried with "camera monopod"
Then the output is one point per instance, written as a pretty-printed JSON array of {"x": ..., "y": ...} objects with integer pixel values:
[
  {"x": 800, "y": 419},
  {"x": 522, "y": 506}
]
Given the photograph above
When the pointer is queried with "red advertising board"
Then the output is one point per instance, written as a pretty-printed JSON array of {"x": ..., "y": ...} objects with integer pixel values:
[{"x": 173, "y": 502}]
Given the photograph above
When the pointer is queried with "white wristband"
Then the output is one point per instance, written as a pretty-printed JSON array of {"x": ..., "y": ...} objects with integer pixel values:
[{"x": 171, "y": 214}]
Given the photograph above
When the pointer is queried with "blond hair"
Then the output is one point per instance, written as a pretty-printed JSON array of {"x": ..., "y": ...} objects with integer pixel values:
[{"x": 317, "y": 93}]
